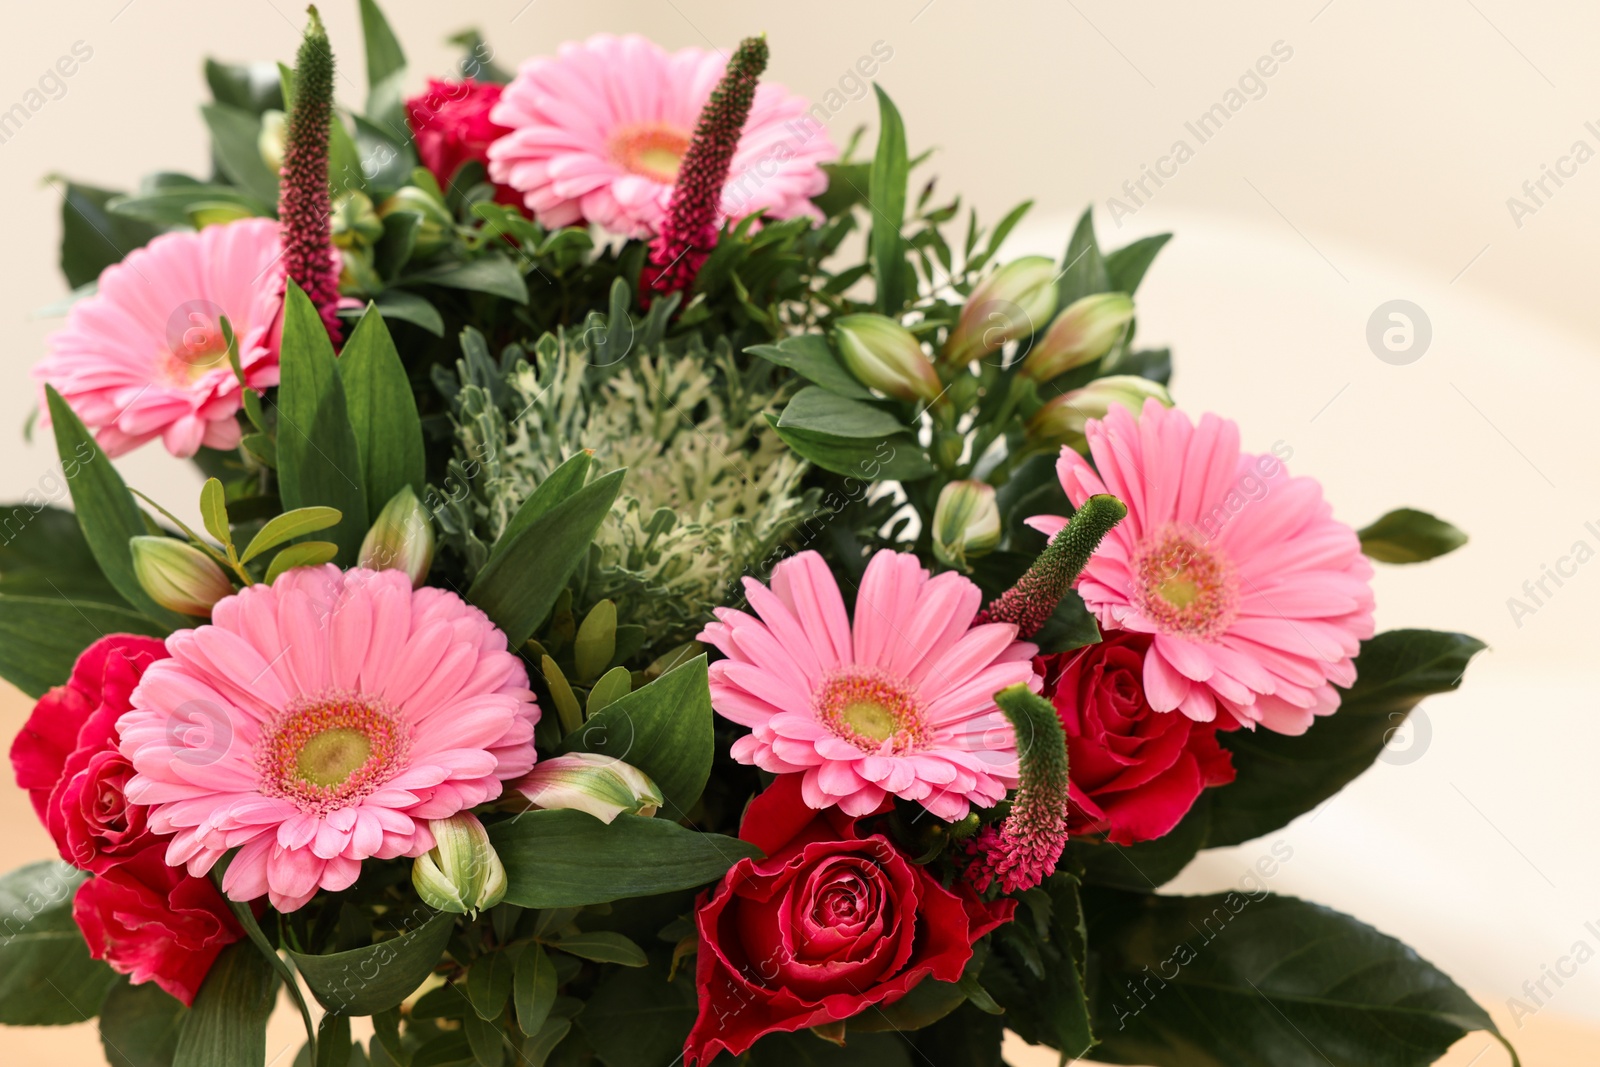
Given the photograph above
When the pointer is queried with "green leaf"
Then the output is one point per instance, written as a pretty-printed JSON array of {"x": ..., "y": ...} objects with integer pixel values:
[
  {"x": 375, "y": 978},
  {"x": 386, "y": 67},
  {"x": 603, "y": 946},
  {"x": 235, "y": 141},
  {"x": 1083, "y": 271},
  {"x": 1149, "y": 864},
  {"x": 251, "y": 87},
  {"x": 1126, "y": 267},
  {"x": 664, "y": 729},
  {"x": 175, "y": 206},
  {"x": 636, "y": 1018},
  {"x": 815, "y": 410},
  {"x": 965, "y": 1038},
  {"x": 1280, "y": 777},
  {"x": 520, "y": 582},
  {"x": 886, "y": 200},
  {"x": 489, "y": 982},
  {"x": 898, "y": 457},
  {"x": 304, "y": 554},
  {"x": 46, "y": 975},
  {"x": 288, "y": 526},
  {"x": 536, "y": 1049},
  {"x": 607, "y": 690},
  {"x": 319, "y": 462},
  {"x": 1236, "y": 980},
  {"x": 805, "y": 1049},
  {"x": 812, "y": 357},
  {"x": 486, "y": 1040},
  {"x": 43, "y": 553},
  {"x": 927, "y": 1003},
  {"x": 139, "y": 1025},
  {"x": 383, "y": 411},
  {"x": 106, "y": 511},
  {"x": 402, "y": 306},
  {"x": 214, "y": 510},
  {"x": 568, "y": 859},
  {"x": 534, "y": 989},
  {"x": 41, "y": 637},
  {"x": 1406, "y": 535},
  {"x": 91, "y": 238},
  {"x": 596, "y": 642},
  {"x": 1035, "y": 970},
  {"x": 490, "y": 273},
  {"x": 227, "y": 1027},
  {"x": 557, "y": 486}
]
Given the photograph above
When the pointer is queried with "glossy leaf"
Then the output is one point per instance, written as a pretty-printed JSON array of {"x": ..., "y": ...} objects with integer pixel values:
[
  {"x": 1406, "y": 535},
  {"x": 139, "y": 1025},
  {"x": 886, "y": 199},
  {"x": 565, "y": 858},
  {"x": 43, "y": 553},
  {"x": 1083, "y": 271},
  {"x": 636, "y": 1018},
  {"x": 288, "y": 526},
  {"x": 383, "y": 412},
  {"x": 533, "y": 989},
  {"x": 41, "y": 637},
  {"x": 304, "y": 554},
  {"x": 603, "y": 946},
  {"x": 491, "y": 273},
  {"x": 1126, "y": 267},
  {"x": 46, "y": 975},
  {"x": 214, "y": 510},
  {"x": 374, "y": 978},
  {"x": 227, "y": 1027},
  {"x": 813, "y": 358},
  {"x": 235, "y": 141}
]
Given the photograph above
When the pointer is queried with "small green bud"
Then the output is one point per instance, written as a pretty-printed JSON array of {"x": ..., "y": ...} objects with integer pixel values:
[
  {"x": 603, "y": 786},
  {"x": 436, "y": 226},
  {"x": 401, "y": 539},
  {"x": 1013, "y": 302},
  {"x": 269, "y": 142},
  {"x": 1061, "y": 421},
  {"x": 178, "y": 576},
  {"x": 355, "y": 223},
  {"x": 462, "y": 873},
  {"x": 1081, "y": 334},
  {"x": 885, "y": 356},
  {"x": 966, "y": 523}
]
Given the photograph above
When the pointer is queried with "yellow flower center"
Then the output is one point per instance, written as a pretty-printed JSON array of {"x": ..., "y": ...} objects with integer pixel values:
[
  {"x": 1183, "y": 585},
  {"x": 327, "y": 751},
  {"x": 654, "y": 151},
  {"x": 872, "y": 709}
]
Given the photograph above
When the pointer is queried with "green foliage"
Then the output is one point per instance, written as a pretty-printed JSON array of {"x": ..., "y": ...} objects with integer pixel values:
[
  {"x": 1407, "y": 535},
  {"x": 46, "y": 975},
  {"x": 227, "y": 1027}
]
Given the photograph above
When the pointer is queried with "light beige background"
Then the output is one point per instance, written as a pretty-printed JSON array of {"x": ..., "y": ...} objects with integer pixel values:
[{"x": 1376, "y": 165}]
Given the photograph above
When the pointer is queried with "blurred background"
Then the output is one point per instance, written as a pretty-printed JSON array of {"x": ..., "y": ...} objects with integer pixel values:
[{"x": 1445, "y": 153}]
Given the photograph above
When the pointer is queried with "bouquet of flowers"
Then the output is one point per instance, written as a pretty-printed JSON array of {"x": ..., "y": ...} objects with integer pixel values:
[{"x": 665, "y": 589}]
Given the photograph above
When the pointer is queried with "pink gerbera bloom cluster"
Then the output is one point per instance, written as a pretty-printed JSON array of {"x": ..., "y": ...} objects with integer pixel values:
[
  {"x": 599, "y": 132},
  {"x": 144, "y": 356},
  {"x": 321, "y": 721},
  {"x": 1255, "y": 597},
  {"x": 898, "y": 701}
]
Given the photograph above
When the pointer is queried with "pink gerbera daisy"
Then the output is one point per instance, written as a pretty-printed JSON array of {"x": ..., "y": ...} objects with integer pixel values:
[
  {"x": 598, "y": 134},
  {"x": 1256, "y": 598},
  {"x": 901, "y": 701},
  {"x": 143, "y": 357},
  {"x": 320, "y": 721}
]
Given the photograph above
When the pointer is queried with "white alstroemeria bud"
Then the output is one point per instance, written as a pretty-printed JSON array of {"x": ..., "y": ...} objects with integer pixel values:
[
  {"x": 177, "y": 575},
  {"x": 462, "y": 873},
  {"x": 270, "y": 141},
  {"x": 1081, "y": 334},
  {"x": 1013, "y": 302},
  {"x": 603, "y": 786},
  {"x": 1062, "y": 420},
  {"x": 401, "y": 539},
  {"x": 966, "y": 523},
  {"x": 886, "y": 356}
]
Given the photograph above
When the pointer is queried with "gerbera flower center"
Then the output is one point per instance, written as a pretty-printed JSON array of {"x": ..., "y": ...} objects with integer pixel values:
[
  {"x": 1183, "y": 586},
  {"x": 193, "y": 350},
  {"x": 872, "y": 709},
  {"x": 328, "y": 751},
  {"x": 653, "y": 151}
]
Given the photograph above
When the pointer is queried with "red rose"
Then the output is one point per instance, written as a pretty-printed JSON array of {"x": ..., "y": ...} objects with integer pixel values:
[
  {"x": 156, "y": 923},
  {"x": 451, "y": 125},
  {"x": 1135, "y": 771},
  {"x": 831, "y": 923},
  {"x": 66, "y": 755}
]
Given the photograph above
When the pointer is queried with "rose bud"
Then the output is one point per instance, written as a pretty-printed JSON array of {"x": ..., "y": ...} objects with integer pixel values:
[
  {"x": 1013, "y": 302},
  {"x": 1061, "y": 421},
  {"x": 885, "y": 356},
  {"x": 461, "y": 873},
  {"x": 435, "y": 226},
  {"x": 966, "y": 523},
  {"x": 177, "y": 575},
  {"x": 1081, "y": 334},
  {"x": 401, "y": 539},
  {"x": 603, "y": 786}
]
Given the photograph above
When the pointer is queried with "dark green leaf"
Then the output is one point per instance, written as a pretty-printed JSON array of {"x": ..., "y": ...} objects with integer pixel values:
[
  {"x": 491, "y": 273},
  {"x": 46, "y": 975},
  {"x": 43, "y": 553},
  {"x": 1126, "y": 267},
  {"x": 898, "y": 457},
  {"x": 603, "y": 946},
  {"x": 319, "y": 462},
  {"x": 1035, "y": 970},
  {"x": 235, "y": 140},
  {"x": 489, "y": 982},
  {"x": 927, "y": 1003},
  {"x": 375, "y": 978},
  {"x": 886, "y": 200},
  {"x": 386, "y": 66},
  {"x": 965, "y": 1038},
  {"x": 486, "y": 1040},
  {"x": 251, "y": 87},
  {"x": 227, "y": 1027},
  {"x": 41, "y": 637},
  {"x": 1406, "y": 535},
  {"x": 537, "y": 1048},
  {"x": 534, "y": 989},
  {"x": 1083, "y": 272},
  {"x": 636, "y": 1018},
  {"x": 139, "y": 1025},
  {"x": 816, "y": 410},
  {"x": 106, "y": 511},
  {"x": 664, "y": 729},
  {"x": 174, "y": 206},
  {"x": 288, "y": 526},
  {"x": 520, "y": 583},
  {"x": 1280, "y": 777},
  {"x": 1148, "y": 865},
  {"x": 805, "y": 1049},
  {"x": 811, "y": 357},
  {"x": 383, "y": 412},
  {"x": 402, "y": 306},
  {"x": 564, "y": 858},
  {"x": 1236, "y": 980},
  {"x": 91, "y": 238},
  {"x": 557, "y": 486}
]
